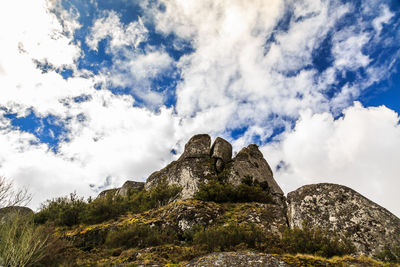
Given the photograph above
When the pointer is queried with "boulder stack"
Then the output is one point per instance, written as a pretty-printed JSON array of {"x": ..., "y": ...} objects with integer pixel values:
[{"x": 201, "y": 162}]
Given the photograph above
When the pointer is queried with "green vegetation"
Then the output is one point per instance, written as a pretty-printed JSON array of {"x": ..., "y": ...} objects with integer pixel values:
[
  {"x": 390, "y": 254},
  {"x": 72, "y": 210},
  {"x": 218, "y": 190},
  {"x": 308, "y": 240},
  {"x": 22, "y": 243},
  {"x": 229, "y": 237},
  {"x": 141, "y": 236}
]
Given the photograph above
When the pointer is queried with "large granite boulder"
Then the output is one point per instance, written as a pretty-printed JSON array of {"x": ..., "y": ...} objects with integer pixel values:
[
  {"x": 221, "y": 152},
  {"x": 341, "y": 210},
  {"x": 108, "y": 192},
  {"x": 128, "y": 186},
  {"x": 250, "y": 162},
  {"x": 194, "y": 166},
  {"x": 198, "y": 147},
  {"x": 19, "y": 210}
]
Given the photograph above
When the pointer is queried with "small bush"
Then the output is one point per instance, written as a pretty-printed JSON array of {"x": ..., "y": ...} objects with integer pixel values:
[
  {"x": 390, "y": 254},
  {"x": 307, "y": 240},
  {"x": 141, "y": 236}
]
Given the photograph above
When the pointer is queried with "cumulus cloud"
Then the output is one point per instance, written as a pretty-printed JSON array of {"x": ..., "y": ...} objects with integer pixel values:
[
  {"x": 359, "y": 150},
  {"x": 109, "y": 25},
  {"x": 259, "y": 56},
  {"x": 251, "y": 67}
]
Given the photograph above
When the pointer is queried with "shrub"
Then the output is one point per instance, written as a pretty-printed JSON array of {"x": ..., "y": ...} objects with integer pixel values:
[
  {"x": 22, "y": 243},
  {"x": 215, "y": 191},
  {"x": 219, "y": 191},
  {"x": 315, "y": 241},
  {"x": 63, "y": 211},
  {"x": 141, "y": 236},
  {"x": 224, "y": 238},
  {"x": 72, "y": 210},
  {"x": 390, "y": 254},
  {"x": 103, "y": 209}
]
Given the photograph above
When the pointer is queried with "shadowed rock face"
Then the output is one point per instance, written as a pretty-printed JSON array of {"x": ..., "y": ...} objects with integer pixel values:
[
  {"x": 129, "y": 185},
  {"x": 200, "y": 162},
  {"x": 339, "y": 209},
  {"x": 250, "y": 162},
  {"x": 221, "y": 152}
]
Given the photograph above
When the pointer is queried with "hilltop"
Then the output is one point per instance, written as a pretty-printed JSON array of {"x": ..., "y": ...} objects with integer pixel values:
[{"x": 208, "y": 207}]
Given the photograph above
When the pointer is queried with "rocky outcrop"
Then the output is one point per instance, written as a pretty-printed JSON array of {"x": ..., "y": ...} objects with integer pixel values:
[
  {"x": 123, "y": 190},
  {"x": 106, "y": 193},
  {"x": 128, "y": 186},
  {"x": 246, "y": 258},
  {"x": 228, "y": 259},
  {"x": 9, "y": 211},
  {"x": 200, "y": 162},
  {"x": 344, "y": 212}
]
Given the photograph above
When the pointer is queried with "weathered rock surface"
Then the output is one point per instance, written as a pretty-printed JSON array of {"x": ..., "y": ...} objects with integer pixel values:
[
  {"x": 250, "y": 162},
  {"x": 245, "y": 259},
  {"x": 341, "y": 210},
  {"x": 22, "y": 211},
  {"x": 221, "y": 149},
  {"x": 198, "y": 146},
  {"x": 194, "y": 166},
  {"x": 185, "y": 172},
  {"x": 123, "y": 190},
  {"x": 108, "y": 192},
  {"x": 200, "y": 162},
  {"x": 129, "y": 185}
]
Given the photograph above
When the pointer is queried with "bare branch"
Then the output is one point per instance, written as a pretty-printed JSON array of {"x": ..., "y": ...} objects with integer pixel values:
[{"x": 9, "y": 196}]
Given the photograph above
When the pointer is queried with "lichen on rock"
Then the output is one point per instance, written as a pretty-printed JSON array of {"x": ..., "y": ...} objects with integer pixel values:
[{"x": 344, "y": 212}]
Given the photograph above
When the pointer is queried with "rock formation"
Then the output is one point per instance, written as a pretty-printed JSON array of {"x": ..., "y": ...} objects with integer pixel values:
[
  {"x": 335, "y": 208},
  {"x": 127, "y": 186},
  {"x": 239, "y": 259},
  {"x": 344, "y": 212},
  {"x": 123, "y": 190},
  {"x": 11, "y": 210},
  {"x": 200, "y": 162}
]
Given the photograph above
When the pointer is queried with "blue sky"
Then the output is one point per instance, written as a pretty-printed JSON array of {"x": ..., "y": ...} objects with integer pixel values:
[{"x": 98, "y": 92}]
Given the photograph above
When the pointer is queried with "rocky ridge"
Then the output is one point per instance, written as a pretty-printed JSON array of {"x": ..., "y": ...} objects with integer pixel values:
[{"x": 334, "y": 208}]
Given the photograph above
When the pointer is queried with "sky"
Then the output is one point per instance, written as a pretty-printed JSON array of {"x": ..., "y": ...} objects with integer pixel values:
[{"x": 94, "y": 93}]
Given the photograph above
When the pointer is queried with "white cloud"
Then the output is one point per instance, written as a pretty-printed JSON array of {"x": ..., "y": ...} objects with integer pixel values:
[
  {"x": 234, "y": 65},
  {"x": 384, "y": 17},
  {"x": 359, "y": 150},
  {"x": 120, "y": 35},
  {"x": 234, "y": 78},
  {"x": 347, "y": 50}
]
